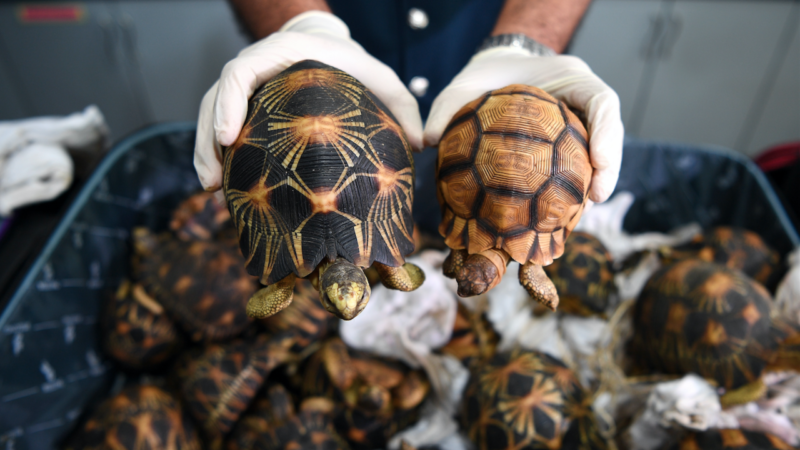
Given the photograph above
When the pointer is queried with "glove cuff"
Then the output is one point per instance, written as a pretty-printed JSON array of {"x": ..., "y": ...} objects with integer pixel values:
[
  {"x": 317, "y": 22},
  {"x": 517, "y": 41}
]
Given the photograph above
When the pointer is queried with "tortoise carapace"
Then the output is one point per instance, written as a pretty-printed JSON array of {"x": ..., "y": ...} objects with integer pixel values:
[
  {"x": 513, "y": 178},
  {"x": 320, "y": 184}
]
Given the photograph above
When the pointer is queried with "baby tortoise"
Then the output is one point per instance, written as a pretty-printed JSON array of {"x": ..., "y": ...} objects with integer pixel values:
[
  {"x": 320, "y": 184},
  {"x": 273, "y": 424},
  {"x": 513, "y": 177},
  {"x": 699, "y": 317},
  {"x": 138, "y": 418},
  {"x": 528, "y": 400},
  {"x": 730, "y": 439},
  {"x": 735, "y": 248},
  {"x": 219, "y": 382},
  {"x": 375, "y": 397},
  {"x": 202, "y": 284},
  {"x": 583, "y": 276},
  {"x": 199, "y": 217},
  {"x": 304, "y": 316},
  {"x": 474, "y": 339},
  {"x": 136, "y": 330}
]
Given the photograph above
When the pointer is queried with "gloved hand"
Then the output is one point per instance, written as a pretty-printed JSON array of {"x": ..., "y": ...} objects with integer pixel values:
[
  {"x": 567, "y": 78},
  {"x": 312, "y": 35}
]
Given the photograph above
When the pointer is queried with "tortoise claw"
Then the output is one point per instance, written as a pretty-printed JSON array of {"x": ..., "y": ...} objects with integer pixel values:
[
  {"x": 344, "y": 289},
  {"x": 533, "y": 278},
  {"x": 271, "y": 299},
  {"x": 406, "y": 278}
]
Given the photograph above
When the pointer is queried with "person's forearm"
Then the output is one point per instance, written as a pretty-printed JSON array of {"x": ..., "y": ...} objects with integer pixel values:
[
  {"x": 550, "y": 22},
  {"x": 264, "y": 17}
]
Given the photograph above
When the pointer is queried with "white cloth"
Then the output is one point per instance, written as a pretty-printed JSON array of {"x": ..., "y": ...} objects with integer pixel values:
[
  {"x": 566, "y": 78},
  {"x": 34, "y": 163},
  {"x": 787, "y": 297},
  {"x": 313, "y": 35}
]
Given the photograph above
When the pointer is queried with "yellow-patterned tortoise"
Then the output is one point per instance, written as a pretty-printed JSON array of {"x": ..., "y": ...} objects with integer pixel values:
[
  {"x": 320, "y": 184},
  {"x": 513, "y": 178}
]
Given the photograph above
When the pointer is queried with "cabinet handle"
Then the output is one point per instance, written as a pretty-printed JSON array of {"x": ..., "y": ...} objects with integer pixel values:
[
  {"x": 664, "y": 31},
  {"x": 110, "y": 37}
]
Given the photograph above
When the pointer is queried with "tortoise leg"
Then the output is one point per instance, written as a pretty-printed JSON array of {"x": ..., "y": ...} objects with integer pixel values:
[
  {"x": 454, "y": 262},
  {"x": 405, "y": 278},
  {"x": 271, "y": 299},
  {"x": 344, "y": 289},
  {"x": 538, "y": 285},
  {"x": 481, "y": 272}
]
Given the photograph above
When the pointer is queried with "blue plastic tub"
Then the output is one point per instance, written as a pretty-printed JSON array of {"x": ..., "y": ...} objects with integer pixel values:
[{"x": 51, "y": 360}]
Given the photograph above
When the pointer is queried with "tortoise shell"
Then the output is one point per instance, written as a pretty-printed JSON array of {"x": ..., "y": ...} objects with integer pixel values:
[
  {"x": 735, "y": 248},
  {"x": 730, "y": 439},
  {"x": 513, "y": 174},
  {"x": 305, "y": 316},
  {"x": 699, "y": 317},
  {"x": 527, "y": 400},
  {"x": 139, "y": 417},
  {"x": 202, "y": 284},
  {"x": 320, "y": 170},
  {"x": 199, "y": 217},
  {"x": 220, "y": 381},
  {"x": 583, "y": 276},
  {"x": 273, "y": 424},
  {"x": 137, "y": 331},
  {"x": 375, "y": 397},
  {"x": 473, "y": 339}
]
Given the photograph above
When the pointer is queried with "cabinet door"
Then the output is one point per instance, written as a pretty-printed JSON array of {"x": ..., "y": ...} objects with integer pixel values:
[
  {"x": 702, "y": 91},
  {"x": 63, "y": 67},
  {"x": 181, "y": 47},
  {"x": 611, "y": 40},
  {"x": 12, "y": 105},
  {"x": 780, "y": 120}
]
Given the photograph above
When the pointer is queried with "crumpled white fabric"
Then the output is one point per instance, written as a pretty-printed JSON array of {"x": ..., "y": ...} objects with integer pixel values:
[
  {"x": 408, "y": 326},
  {"x": 787, "y": 297},
  {"x": 689, "y": 402},
  {"x": 778, "y": 412},
  {"x": 604, "y": 221},
  {"x": 34, "y": 163}
]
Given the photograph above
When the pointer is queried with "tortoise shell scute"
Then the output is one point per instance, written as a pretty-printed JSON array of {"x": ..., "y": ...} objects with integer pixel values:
[{"x": 320, "y": 170}]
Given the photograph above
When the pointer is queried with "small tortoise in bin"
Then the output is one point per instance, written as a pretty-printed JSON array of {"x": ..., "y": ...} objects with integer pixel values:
[
  {"x": 201, "y": 284},
  {"x": 273, "y": 424},
  {"x": 375, "y": 397},
  {"x": 528, "y": 400},
  {"x": 513, "y": 178},
  {"x": 735, "y": 248},
  {"x": 136, "y": 330},
  {"x": 139, "y": 417},
  {"x": 583, "y": 276},
  {"x": 320, "y": 184},
  {"x": 474, "y": 339},
  {"x": 199, "y": 217},
  {"x": 699, "y": 317},
  {"x": 730, "y": 439}
]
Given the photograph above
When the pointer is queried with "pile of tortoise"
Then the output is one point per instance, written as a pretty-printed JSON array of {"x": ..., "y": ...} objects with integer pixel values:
[{"x": 219, "y": 362}]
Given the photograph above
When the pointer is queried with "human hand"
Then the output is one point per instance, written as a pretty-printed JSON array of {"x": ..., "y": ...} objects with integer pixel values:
[
  {"x": 567, "y": 78},
  {"x": 313, "y": 35}
]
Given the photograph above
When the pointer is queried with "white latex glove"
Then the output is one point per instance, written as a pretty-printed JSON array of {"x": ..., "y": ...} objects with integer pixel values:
[
  {"x": 313, "y": 35},
  {"x": 567, "y": 78}
]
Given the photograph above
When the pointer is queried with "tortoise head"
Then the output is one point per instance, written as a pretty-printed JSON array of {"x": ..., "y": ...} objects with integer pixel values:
[{"x": 344, "y": 289}]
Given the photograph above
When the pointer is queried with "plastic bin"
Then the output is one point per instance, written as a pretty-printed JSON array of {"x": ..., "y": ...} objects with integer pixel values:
[{"x": 51, "y": 360}]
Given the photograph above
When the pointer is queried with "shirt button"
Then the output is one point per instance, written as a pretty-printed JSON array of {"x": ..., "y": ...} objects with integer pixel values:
[
  {"x": 417, "y": 19},
  {"x": 418, "y": 86}
]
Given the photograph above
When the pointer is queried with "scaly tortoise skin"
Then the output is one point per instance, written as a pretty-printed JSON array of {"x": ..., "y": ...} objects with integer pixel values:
[
  {"x": 320, "y": 184},
  {"x": 528, "y": 400},
  {"x": 199, "y": 217},
  {"x": 735, "y": 248},
  {"x": 136, "y": 330},
  {"x": 201, "y": 284},
  {"x": 219, "y": 381},
  {"x": 583, "y": 276},
  {"x": 138, "y": 418},
  {"x": 273, "y": 424},
  {"x": 730, "y": 439},
  {"x": 513, "y": 178},
  {"x": 375, "y": 397},
  {"x": 699, "y": 317},
  {"x": 474, "y": 339}
]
